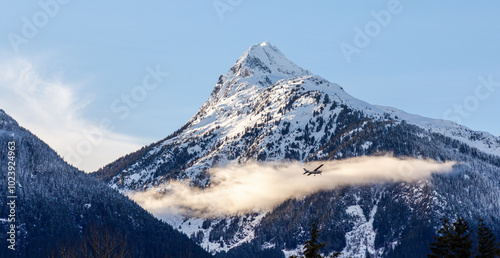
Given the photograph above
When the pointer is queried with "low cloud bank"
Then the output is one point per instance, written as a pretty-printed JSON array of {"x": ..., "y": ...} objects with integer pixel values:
[{"x": 261, "y": 186}]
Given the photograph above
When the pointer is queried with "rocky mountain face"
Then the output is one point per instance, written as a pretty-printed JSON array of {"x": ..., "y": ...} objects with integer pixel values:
[
  {"x": 266, "y": 108},
  {"x": 57, "y": 207}
]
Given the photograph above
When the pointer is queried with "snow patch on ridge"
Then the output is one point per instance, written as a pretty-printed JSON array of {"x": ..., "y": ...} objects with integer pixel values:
[
  {"x": 361, "y": 239},
  {"x": 197, "y": 230}
]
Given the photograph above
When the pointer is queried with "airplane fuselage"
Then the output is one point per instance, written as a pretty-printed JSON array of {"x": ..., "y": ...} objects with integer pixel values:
[{"x": 315, "y": 172}]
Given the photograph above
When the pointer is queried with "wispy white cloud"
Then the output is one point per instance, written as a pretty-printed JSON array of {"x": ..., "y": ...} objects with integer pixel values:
[
  {"x": 260, "y": 186},
  {"x": 52, "y": 109}
]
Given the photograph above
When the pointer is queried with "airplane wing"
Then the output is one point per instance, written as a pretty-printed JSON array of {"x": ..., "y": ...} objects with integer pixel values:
[{"x": 319, "y": 167}]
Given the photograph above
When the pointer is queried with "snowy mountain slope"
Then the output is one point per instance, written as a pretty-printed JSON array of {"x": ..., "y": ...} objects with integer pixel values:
[
  {"x": 483, "y": 141},
  {"x": 56, "y": 204},
  {"x": 268, "y": 109},
  {"x": 264, "y": 88}
]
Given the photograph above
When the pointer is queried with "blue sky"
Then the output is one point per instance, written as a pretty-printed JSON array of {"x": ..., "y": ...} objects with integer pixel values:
[{"x": 67, "y": 67}]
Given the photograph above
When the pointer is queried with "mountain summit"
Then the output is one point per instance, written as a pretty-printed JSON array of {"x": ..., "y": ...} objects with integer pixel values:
[
  {"x": 264, "y": 59},
  {"x": 261, "y": 66},
  {"x": 266, "y": 108}
]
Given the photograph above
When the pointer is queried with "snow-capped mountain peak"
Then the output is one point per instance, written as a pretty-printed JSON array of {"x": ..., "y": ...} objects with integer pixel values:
[
  {"x": 266, "y": 108},
  {"x": 265, "y": 97},
  {"x": 267, "y": 63}
]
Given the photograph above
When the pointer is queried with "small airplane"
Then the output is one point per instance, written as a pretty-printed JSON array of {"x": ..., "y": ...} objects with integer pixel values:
[{"x": 314, "y": 172}]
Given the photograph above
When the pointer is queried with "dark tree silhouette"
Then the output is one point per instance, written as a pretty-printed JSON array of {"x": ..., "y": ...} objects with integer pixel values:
[
  {"x": 97, "y": 242},
  {"x": 486, "y": 242},
  {"x": 312, "y": 247},
  {"x": 441, "y": 245},
  {"x": 453, "y": 241},
  {"x": 461, "y": 244}
]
